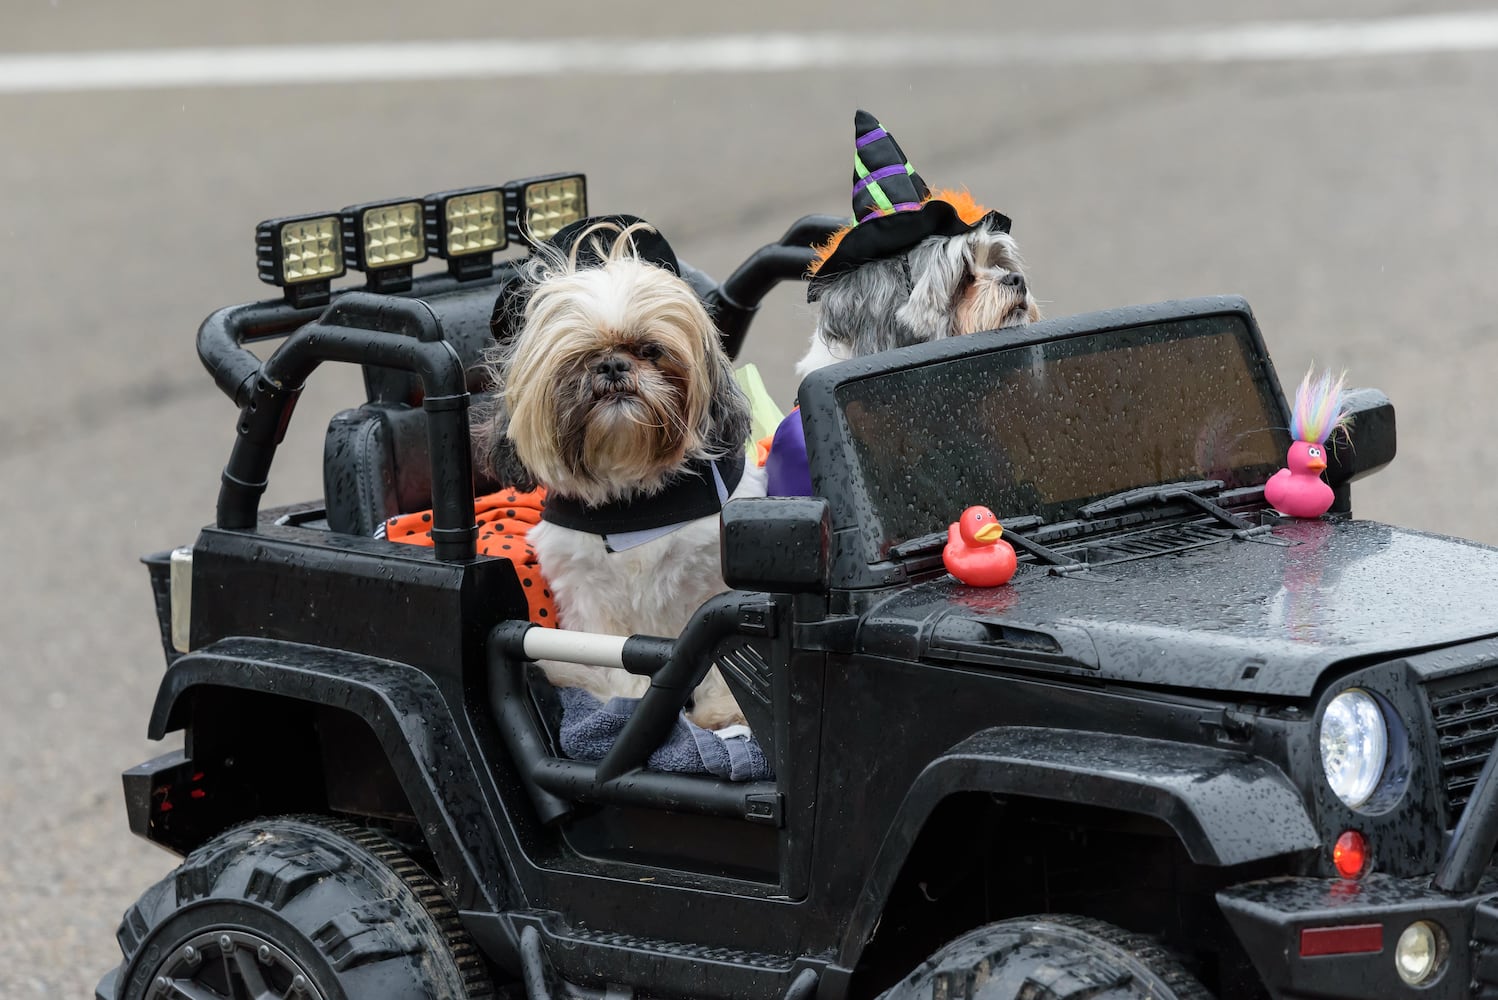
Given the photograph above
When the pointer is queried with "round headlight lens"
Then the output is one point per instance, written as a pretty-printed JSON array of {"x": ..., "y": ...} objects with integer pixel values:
[
  {"x": 1354, "y": 745},
  {"x": 1417, "y": 957}
]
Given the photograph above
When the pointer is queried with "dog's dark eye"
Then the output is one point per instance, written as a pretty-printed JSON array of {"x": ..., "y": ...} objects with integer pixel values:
[{"x": 649, "y": 352}]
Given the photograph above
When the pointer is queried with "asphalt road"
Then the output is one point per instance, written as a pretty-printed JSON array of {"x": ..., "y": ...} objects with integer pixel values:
[{"x": 1349, "y": 197}]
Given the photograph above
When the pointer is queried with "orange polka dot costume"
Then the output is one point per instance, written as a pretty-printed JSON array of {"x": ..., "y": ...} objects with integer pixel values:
[{"x": 504, "y": 519}]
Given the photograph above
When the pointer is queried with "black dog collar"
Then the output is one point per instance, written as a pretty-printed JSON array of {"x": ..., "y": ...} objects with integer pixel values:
[{"x": 686, "y": 496}]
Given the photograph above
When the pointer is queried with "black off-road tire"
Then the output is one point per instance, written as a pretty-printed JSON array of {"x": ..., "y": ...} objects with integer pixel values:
[
  {"x": 301, "y": 906},
  {"x": 1050, "y": 957}
]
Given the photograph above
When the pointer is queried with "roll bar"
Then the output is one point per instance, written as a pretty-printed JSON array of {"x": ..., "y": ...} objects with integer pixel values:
[
  {"x": 734, "y": 303},
  {"x": 357, "y": 328}
]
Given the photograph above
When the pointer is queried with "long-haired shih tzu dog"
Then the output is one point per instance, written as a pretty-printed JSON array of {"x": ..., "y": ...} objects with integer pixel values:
[
  {"x": 915, "y": 265},
  {"x": 616, "y": 396}
]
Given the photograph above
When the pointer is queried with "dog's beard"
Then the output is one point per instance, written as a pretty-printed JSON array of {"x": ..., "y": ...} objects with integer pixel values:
[
  {"x": 627, "y": 440},
  {"x": 988, "y": 304}
]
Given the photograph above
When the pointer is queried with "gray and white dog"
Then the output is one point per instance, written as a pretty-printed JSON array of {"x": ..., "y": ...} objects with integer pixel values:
[{"x": 915, "y": 265}]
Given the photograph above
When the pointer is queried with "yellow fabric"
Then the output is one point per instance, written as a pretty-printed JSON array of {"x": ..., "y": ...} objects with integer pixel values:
[{"x": 764, "y": 415}]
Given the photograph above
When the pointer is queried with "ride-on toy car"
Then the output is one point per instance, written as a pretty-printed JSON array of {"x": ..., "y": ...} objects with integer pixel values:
[{"x": 1192, "y": 748}]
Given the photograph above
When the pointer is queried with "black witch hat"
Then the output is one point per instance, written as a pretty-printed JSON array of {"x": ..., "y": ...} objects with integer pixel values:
[{"x": 893, "y": 208}]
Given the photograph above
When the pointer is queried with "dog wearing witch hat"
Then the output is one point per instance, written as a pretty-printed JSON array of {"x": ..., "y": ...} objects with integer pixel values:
[
  {"x": 914, "y": 265},
  {"x": 616, "y": 396}
]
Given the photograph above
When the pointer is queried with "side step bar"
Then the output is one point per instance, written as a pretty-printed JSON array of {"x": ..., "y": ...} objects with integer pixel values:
[{"x": 688, "y": 970}]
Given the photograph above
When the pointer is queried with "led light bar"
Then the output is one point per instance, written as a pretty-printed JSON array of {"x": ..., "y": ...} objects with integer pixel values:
[
  {"x": 384, "y": 239},
  {"x": 465, "y": 228},
  {"x": 537, "y": 207},
  {"x": 302, "y": 254}
]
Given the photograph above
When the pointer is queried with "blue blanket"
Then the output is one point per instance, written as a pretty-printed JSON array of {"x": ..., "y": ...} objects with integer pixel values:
[{"x": 590, "y": 727}]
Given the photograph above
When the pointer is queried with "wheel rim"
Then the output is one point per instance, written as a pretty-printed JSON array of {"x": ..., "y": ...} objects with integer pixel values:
[{"x": 230, "y": 964}]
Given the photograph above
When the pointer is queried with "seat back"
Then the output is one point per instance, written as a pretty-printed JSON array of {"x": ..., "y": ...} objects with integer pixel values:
[
  {"x": 376, "y": 464},
  {"x": 376, "y": 457}
]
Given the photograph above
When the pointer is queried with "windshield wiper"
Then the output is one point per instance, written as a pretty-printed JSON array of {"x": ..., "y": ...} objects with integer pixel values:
[
  {"x": 1148, "y": 496},
  {"x": 1189, "y": 492},
  {"x": 936, "y": 540}
]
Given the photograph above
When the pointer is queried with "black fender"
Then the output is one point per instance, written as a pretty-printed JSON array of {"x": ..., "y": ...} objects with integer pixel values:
[
  {"x": 1227, "y": 807},
  {"x": 408, "y": 716}
]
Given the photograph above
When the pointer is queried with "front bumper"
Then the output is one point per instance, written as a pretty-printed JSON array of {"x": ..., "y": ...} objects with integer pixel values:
[
  {"x": 1319, "y": 937},
  {"x": 1271, "y": 919}
]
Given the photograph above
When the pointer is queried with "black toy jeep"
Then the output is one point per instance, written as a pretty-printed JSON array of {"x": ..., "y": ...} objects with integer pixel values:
[{"x": 1192, "y": 749}]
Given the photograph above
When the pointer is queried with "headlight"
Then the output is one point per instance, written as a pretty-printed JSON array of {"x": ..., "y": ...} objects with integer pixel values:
[
  {"x": 1354, "y": 745},
  {"x": 302, "y": 253},
  {"x": 384, "y": 239},
  {"x": 1420, "y": 952},
  {"x": 540, "y": 206},
  {"x": 386, "y": 235},
  {"x": 474, "y": 223},
  {"x": 465, "y": 228}
]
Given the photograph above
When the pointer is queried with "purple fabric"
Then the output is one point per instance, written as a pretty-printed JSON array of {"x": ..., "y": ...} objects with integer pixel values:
[
  {"x": 869, "y": 137},
  {"x": 787, "y": 469},
  {"x": 899, "y": 206},
  {"x": 878, "y": 175}
]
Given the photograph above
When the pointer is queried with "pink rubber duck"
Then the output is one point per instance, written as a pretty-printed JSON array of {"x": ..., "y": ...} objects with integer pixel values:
[
  {"x": 976, "y": 553},
  {"x": 1298, "y": 490}
]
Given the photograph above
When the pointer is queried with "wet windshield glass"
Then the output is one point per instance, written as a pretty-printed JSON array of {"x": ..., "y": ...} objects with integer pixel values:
[{"x": 1046, "y": 428}]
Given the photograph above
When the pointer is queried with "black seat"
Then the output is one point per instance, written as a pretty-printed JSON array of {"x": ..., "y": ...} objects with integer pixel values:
[
  {"x": 376, "y": 461},
  {"x": 376, "y": 464}
]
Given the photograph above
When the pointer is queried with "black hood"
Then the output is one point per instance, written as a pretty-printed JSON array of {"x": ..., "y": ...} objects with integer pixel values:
[{"x": 1249, "y": 616}]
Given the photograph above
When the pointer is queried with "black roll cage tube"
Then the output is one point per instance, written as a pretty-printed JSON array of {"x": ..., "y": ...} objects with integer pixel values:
[
  {"x": 362, "y": 328},
  {"x": 734, "y": 303}
]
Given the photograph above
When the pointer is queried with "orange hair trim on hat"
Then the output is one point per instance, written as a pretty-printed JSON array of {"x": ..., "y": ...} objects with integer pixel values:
[
  {"x": 824, "y": 250},
  {"x": 968, "y": 210}
]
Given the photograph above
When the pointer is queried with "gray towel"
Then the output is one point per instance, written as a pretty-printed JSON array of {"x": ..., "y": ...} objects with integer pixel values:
[{"x": 589, "y": 729}]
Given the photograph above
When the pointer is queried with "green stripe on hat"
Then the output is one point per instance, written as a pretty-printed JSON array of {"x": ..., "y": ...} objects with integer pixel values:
[{"x": 880, "y": 198}]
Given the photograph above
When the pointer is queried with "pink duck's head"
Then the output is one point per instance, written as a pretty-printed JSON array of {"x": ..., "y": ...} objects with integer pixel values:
[
  {"x": 1306, "y": 457},
  {"x": 979, "y": 526},
  {"x": 1319, "y": 411}
]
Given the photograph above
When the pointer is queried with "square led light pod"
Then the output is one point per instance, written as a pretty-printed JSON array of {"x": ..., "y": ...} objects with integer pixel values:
[
  {"x": 537, "y": 207},
  {"x": 302, "y": 254},
  {"x": 465, "y": 228},
  {"x": 384, "y": 239}
]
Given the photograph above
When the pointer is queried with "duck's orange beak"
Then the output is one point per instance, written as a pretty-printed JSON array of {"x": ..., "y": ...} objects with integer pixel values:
[
  {"x": 990, "y": 532},
  {"x": 1316, "y": 464}
]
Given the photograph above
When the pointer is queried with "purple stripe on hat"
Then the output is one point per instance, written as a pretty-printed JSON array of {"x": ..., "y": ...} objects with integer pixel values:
[
  {"x": 893, "y": 208},
  {"x": 869, "y": 137},
  {"x": 899, "y": 206},
  {"x": 878, "y": 175}
]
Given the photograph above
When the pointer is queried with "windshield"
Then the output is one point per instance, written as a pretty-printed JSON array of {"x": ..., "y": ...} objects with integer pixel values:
[{"x": 1045, "y": 428}]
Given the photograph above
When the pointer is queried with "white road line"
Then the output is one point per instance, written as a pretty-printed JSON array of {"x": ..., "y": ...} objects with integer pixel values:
[{"x": 750, "y": 53}]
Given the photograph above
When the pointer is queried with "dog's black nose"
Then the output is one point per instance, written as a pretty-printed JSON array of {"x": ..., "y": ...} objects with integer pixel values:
[
  {"x": 612, "y": 367},
  {"x": 1015, "y": 280}
]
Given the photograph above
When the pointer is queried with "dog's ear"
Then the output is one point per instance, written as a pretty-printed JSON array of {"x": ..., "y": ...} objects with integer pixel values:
[
  {"x": 858, "y": 309},
  {"x": 937, "y": 268},
  {"x": 728, "y": 412},
  {"x": 494, "y": 452}
]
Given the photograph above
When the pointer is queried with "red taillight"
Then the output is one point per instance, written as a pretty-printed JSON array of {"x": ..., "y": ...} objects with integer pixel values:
[
  {"x": 1348, "y": 940},
  {"x": 1350, "y": 854}
]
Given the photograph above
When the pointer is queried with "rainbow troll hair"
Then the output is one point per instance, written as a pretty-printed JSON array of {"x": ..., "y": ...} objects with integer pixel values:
[{"x": 1320, "y": 408}]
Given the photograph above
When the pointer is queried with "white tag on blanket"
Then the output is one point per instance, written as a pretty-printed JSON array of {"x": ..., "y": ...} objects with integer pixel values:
[{"x": 732, "y": 732}]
